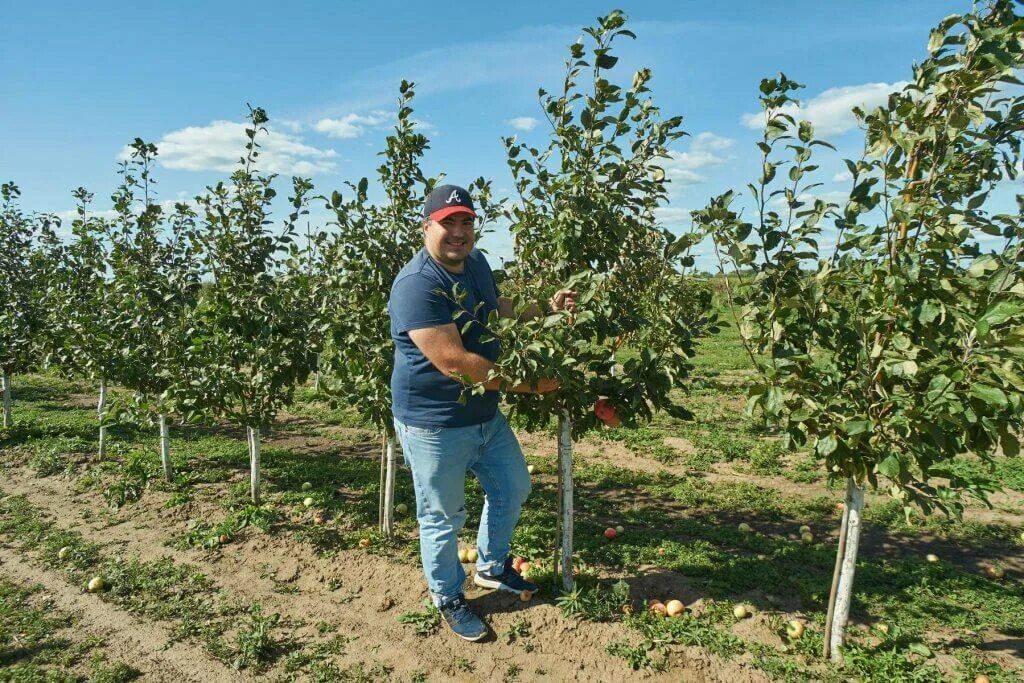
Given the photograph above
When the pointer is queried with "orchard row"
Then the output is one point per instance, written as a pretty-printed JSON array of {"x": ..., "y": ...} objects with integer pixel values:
[{"x": 887, "y": 341}]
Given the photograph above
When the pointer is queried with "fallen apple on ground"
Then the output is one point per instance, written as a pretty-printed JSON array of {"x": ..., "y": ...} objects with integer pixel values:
[
  {"x": 364, "y": 543},
  {"x": 63, "y": 553},
  {"x": 529, "y": 469},
  {"x": 741, "y": 611},
  {"x": 982, "y": 678},
  {"x": 471, "y": 555},
  {"x": 657, "y": 608},
  {"x": 610, "y": 533},
  {"x": 806, "y": 537},
  {"x": 463, "y": 555},
  {"x": 994, "y": 571},
  {"x": 306, "y": 486},
  {"x": 96, "y": 584},
  {"x": 517, "y": 563},
  {"x": 794, "y": 629},
  {"x": 744, "y": 527},
  {"x": 619, "y": 529},
  {"x": 931, "y": 557},
  {"x": 308, "y": 502},
  {"x": 805, "y": 529},
  {"x": 674, "y": 608}
]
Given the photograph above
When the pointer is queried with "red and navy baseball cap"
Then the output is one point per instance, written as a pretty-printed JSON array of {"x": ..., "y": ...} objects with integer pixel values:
[{"x": 446, "y": 200}]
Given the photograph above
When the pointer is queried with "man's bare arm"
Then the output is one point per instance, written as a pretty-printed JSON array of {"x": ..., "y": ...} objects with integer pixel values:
[{"x": 443, "y": 348}]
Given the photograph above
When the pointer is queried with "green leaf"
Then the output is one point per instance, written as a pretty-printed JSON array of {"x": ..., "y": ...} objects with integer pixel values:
[
  {"x": 826, "y": 445},
  {"x": 989, "y": 394}
]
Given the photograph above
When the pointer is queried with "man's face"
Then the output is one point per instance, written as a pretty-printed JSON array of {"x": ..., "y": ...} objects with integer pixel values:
[{"x": 451, "y": 239}]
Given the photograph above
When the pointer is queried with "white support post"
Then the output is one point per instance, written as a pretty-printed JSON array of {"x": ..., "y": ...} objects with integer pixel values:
[
  {"x": 165, "y": 449},
  {"x": 566, "y": 497},
  {"x": 388, "y": 521},
  {"x": 8, "y": 419},
  {"x": 844, "y": 590},
  {"x": 101, "y": 412},
  {"x": 254, "y": 464}
]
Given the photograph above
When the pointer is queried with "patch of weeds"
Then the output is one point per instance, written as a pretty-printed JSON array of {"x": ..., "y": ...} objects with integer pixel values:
[
  {"x": 638, "y": 656},
  {"x": 425, "y": 621},
  {"x": 133, "y": 481},
  {"x": 805, "y": 470},
  {"x": 765, "y": 458},
  {"x": 599, "y": 602},
  {"x": 48, "y": 463},
  {"x": 178, "y": 498},
  {"x": 519, "y": 629},
  {"x": 512, "y": 672},
  {"x": 255, "y": 645},
  {"x": 647, "y": 441},
  {"x": 202, "y": 534},
  {"x": 102, "y": 671}
]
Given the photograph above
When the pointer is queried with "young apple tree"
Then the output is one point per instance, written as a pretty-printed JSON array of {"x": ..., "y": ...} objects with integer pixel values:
[
  {"x": 26, "y": 268},
  {"x": 250, "y": 334},
  {"x": 154, "y": 284},
  {"x": 899, "y": 351},
  {"x": 81, "y": 313},
  {"x": 368, "y": 248},
  {"x": 585, "y": 220}
]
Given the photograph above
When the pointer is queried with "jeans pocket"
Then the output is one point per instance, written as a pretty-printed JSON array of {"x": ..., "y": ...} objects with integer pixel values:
[{"x": 423, "y": 431}]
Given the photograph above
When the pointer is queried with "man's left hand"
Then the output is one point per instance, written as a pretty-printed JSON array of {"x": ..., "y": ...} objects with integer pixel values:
[{"x": 563, "y": 300}]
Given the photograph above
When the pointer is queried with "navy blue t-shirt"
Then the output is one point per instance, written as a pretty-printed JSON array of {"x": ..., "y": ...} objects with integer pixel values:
[{"x": 423, "y": 396}]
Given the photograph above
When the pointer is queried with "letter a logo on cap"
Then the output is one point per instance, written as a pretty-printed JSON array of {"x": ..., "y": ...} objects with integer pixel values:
[{"x": 453, "y": 197}]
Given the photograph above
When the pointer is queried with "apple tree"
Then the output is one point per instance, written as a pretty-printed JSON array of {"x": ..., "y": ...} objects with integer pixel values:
[
  {"x": 585, "y": 219},
  {"x": 899, "y": 350},
  {"x": 27, "y": 245},
  {"x": 250, "y": 337},
  {"x": 153, "y": 285},
  {"x": 369, "y": 245}
]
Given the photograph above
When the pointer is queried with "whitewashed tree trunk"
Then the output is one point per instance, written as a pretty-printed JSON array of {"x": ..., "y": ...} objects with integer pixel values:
[
  {"x": 383, "y": 480},
  {"x": 848, "y": 565},
  {"x": 254, "y": 464},
  {"x": 388, "y": 518},
  {"x": 165, "y": 449},
  {"x": 566, "y": 496},
  {"x": 8, "y": 419},
  {"x": 101, "y": 412}
]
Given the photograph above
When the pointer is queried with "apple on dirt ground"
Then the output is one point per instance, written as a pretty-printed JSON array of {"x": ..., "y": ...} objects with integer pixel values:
[
  {"x": 931, "y": 557},
  {"x": 308, "y": 502},
  {"x": 517, "y": 563},
  {"x": 64, "y": 553},
  {"x": 610, "y": 533},
  {"x": 463, "y": 555},
  {"x": 994, "y": 571},
  {"x": 96, "y": 584},
  {"x": 741, "y": 611},
  {"x": 364, "y": 543},
  {"x": 807, "y": 537},
  {"x": 744, "y": 527},
  {"x": 674, "y": 608},
  {"x": 656, "y": 607},
  {"x": 471, "y": 555},
  {"x": 306, "y": 486},
  {"x": 794, "y": 629}
]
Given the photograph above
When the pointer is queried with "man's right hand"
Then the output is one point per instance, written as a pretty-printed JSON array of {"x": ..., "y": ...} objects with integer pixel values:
[{"x": 545, "y": 386}]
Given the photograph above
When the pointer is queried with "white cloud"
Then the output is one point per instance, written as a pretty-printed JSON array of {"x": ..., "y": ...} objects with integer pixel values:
[
  {"x": 705, "y": 152},
  {"x": 351, "y": 125},
  {"x": 672, "y": 215},
  {"x": 842, "y": 177},
  {"x": 523, "y": 123},
  {"x": 219, "y": 145},
  {"x": 831, "y": 111}
]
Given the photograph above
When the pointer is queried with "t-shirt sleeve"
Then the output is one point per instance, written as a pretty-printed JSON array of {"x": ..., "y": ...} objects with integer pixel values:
[{"x": 416, "y": 304}]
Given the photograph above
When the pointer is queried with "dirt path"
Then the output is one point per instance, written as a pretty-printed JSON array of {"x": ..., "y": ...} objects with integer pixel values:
[
  {"x": 369, "y": 592},
  {"x": 144, "y": 645}
]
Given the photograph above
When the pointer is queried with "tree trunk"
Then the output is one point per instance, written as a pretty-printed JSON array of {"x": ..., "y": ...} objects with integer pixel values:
[
  {"x": 316, "y": 380},
  {"x": 388, "y": 518},
  {"x": 8, "y": 419},
  {"x": 254, "y": 464},
  {"x": 565, "y": 497},
  {"x": 101, "y": 412},
  {"x": 843, "y": 581},
  {"x": 165, "y": 449}
]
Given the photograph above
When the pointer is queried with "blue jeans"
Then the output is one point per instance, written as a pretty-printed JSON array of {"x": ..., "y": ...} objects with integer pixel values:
[{"x": 439, "y": 458}]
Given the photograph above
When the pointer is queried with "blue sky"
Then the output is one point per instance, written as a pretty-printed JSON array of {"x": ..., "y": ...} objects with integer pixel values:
[{"x": 80, "y": 80}]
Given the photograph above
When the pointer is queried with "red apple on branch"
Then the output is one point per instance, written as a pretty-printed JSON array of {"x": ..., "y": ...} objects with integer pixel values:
[{"x": 605, "y": 412}]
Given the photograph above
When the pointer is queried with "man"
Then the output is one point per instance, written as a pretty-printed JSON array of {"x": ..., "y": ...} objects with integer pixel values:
[{"x": 443, "y": 438}]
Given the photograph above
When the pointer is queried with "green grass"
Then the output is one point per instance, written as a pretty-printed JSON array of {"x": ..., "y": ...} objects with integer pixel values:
[
  {"x": 39, "y": 642},
  {"x": 681, "y": 524}
]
